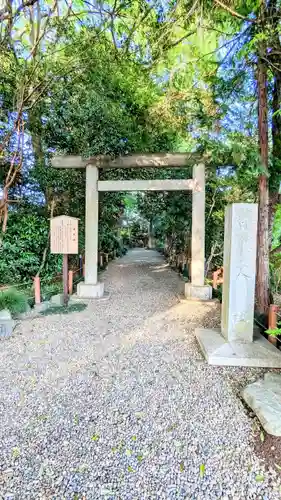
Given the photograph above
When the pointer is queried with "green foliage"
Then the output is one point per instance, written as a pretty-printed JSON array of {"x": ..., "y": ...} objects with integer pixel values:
[
  {"x": 275, "y": 273},
  {"x": 22, "y": 248},
  {"x": 13, "y": 300},
  {"x": 276, "y": 236},
  {"x": 51, "y": 288},
  {"x": 217, "y": 294},
  {"x": 274, "y": 332}
]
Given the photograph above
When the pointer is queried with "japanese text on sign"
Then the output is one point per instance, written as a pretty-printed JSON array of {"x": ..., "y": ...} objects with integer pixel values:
[{"x": 64, "y": 235}]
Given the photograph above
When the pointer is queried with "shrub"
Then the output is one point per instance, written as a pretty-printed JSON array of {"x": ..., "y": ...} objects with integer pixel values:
[
  {"x": 14, "y": 300},
  {"x": 49, "y": 289},
  {"x": 275, "y": 273},
  {"x": 274, "y": 332},
  {"x": 22, "y": 249},
  {"x": 217, "y": 293}
]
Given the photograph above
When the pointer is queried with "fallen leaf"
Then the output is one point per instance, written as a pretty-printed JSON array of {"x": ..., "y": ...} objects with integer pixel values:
[
  {"x": 130, "y": 469},
  {"x": 134, "y": 438},
  {"x": 262, "y": 436},
  {"x": 172, "y": 427},
  {"x": 139, "y": 458},
  {"x": 43, "y": 418},
  {"x": 95, "y": 437},
  {"x": 182, "y": 468},
  {"x": 15, "y": 452},
  {"x": 139, "y": 414},
  {"x": 76, "y": 419},
  {"x": 128, "y": 453},
  {"x": 106, "y": 492},
  {"x": 259, "y": 478},
  {"x": 255, "y": 426},
  {"x": 202, "y": 470},
  {"x": 83, "y": 468},
  {"x": 177, "y": 444}
]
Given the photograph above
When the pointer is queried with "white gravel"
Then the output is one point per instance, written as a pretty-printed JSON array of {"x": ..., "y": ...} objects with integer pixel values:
[{"x": 116, "y": 401}]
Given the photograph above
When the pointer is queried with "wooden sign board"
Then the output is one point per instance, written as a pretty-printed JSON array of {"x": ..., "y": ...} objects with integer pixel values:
[{"x": 64, "y": 235}]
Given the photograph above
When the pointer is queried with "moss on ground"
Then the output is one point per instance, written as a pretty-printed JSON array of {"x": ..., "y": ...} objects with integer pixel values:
[{"x": 64, "y": 309}]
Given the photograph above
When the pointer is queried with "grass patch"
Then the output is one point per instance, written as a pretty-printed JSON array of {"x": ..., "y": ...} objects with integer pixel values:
[
  {"x": 49, "y": 289},
  {"x": 13, "y": 300},
  {"x": 64, "y": 309}
]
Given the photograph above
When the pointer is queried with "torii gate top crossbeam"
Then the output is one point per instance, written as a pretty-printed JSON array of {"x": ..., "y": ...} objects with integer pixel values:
[{"x": 158, "y": 160}]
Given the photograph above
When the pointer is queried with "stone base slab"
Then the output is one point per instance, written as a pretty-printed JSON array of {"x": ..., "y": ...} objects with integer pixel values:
[
  {"x": 214, "y": 303},
  {"x": 217, "y": 351},
  {"x": 75, "y": 299},
  {"x": 7, "y": 324},
  {"x": 264, "y": 397},
  {"x": 90, "y": 291},
  {"x": 197, "y": 292}
]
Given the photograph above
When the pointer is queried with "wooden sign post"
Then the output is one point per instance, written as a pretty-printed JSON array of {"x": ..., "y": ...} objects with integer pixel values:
[{"x": 64, "y": 240}]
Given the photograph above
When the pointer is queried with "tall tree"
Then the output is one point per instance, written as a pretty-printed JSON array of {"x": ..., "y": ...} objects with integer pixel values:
[{"x": 261, "y": 18}]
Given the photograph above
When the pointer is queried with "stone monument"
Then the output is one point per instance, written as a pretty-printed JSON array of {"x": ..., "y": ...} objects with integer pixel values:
[{"x": 235, "y": 344}]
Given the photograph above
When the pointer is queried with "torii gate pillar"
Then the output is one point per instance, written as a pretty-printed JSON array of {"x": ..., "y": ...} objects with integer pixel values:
[
  {"x": 197, "y": 289},
  {"x": 91, "y": 288}
]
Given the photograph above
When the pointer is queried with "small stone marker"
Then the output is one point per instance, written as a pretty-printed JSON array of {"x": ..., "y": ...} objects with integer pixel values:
[
  {"x": 57, "y": 300},
  {"x": 264, "y": 397},
  {"x": 7, "y": 324}
]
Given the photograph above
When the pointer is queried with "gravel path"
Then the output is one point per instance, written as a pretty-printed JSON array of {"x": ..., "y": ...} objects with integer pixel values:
[{"x": 116, "y": 401}]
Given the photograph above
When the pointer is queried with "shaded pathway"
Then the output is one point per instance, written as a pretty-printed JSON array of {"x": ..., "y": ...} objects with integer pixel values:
[{"x": 117, "y": 402}]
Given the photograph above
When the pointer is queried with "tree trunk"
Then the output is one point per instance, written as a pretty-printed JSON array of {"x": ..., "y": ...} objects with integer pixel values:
[{"x": 262, "y": 277}]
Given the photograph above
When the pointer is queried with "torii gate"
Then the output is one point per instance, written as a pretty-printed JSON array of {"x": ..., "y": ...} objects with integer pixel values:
[{"x": 91, "y": 287}]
